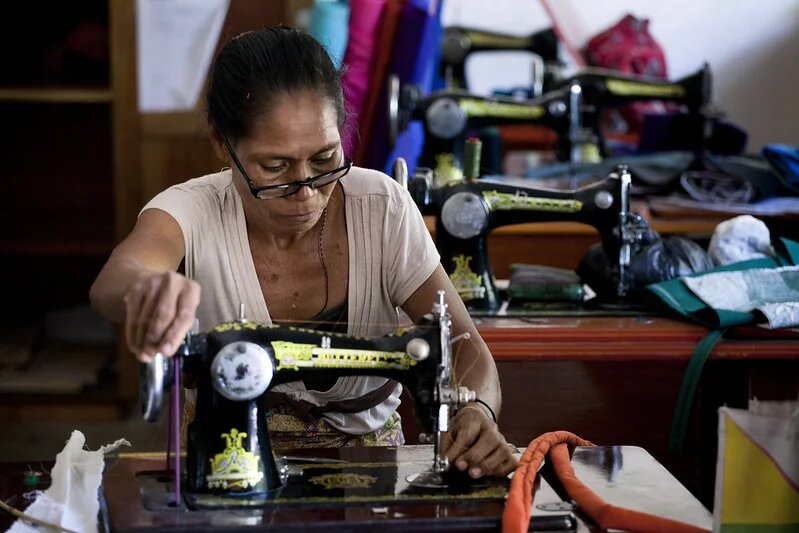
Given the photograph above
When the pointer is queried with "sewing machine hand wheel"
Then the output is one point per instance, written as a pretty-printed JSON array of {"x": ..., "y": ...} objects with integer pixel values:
[
  {"x": 401, "y": 99},
  {"x": 152, "y": 376}
]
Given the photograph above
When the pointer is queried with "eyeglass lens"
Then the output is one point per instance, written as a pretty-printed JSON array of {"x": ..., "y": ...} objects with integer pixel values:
[{"x": 323, "y": 180}]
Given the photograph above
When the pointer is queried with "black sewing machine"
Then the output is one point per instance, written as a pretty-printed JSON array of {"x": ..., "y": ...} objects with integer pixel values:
[
  {"x": 572, "y": 109},
  {"x": 230, "y": 461},
  {"x": 457, "y": 43},
  {"x": 468, "y": 210}
]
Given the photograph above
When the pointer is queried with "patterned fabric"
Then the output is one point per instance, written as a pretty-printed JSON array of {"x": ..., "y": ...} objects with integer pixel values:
[
  {"x": 291, "y": 432},
  {"x": 772, "y": 291}
]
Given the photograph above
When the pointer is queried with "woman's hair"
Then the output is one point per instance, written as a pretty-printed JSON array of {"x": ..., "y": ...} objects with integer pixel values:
[{"x": 256, "y": 67}]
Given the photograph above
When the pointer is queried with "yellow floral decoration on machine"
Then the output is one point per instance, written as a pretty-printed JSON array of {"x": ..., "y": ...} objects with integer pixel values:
[
  {"x": 466, "y": 282},
  {"x": 235, "y": 467}
]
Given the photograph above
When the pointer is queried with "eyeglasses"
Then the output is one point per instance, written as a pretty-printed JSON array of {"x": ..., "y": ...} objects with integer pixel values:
[{"x": 270, "y": 192}]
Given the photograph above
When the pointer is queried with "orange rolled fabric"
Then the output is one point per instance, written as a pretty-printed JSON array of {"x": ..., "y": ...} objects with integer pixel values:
[{"x": 516, "y": 517}]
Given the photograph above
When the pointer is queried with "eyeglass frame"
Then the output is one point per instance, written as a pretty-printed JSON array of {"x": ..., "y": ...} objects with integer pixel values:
[{"x": 297, "y": 184}]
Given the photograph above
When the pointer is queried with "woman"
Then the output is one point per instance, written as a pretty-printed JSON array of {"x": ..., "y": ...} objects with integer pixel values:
[{"x": 296, "y": 234}]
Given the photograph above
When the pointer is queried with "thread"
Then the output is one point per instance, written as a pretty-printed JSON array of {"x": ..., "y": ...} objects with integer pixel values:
[
  {"x": 471, "y": 158},
  {"x": 31, "y": 477}
]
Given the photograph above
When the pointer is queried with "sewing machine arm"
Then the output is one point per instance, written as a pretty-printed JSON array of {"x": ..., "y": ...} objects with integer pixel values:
[{"x": 285, "y": 354}]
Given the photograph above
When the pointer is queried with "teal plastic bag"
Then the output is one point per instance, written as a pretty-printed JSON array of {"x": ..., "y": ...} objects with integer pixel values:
[{"x": 678, "y": 298}]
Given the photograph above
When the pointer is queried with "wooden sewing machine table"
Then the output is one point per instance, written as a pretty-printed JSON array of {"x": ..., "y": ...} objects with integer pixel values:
[
  {"x": 615, "y": 380},
  {"x": 623, "y": 475}
]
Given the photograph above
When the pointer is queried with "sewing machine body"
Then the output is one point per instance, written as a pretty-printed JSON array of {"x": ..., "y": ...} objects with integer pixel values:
[
  {"x": 458, "y": 43},
  {"x": 229, "y": 452},
  {"x": 572, "y": 109},
  {"x": 467, "y": 211},
  {"x": 225, "y": 405}
]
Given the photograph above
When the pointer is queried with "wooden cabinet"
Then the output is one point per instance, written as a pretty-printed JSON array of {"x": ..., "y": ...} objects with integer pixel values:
[
  {"x": 69, "y": 190},
  {"x": 78, "y": 163}
]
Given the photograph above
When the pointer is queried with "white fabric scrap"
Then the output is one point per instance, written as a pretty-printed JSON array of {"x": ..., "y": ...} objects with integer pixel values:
[
  {"x": 772, "y": 291},
  {"x": 72, "y": 500},
  {"x": 740, "y": 239}
]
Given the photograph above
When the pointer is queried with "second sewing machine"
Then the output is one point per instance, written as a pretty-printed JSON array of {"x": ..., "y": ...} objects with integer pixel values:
[{"x": 468, "y": 210}]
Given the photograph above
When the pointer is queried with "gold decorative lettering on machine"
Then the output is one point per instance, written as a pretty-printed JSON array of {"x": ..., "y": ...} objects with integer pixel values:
[
  {"x": 294, "y": 356},
  {"x": 344, "y": 481},
  {"x": 512, "y": 42},
  {"x": 467, "y": 283},
  {"x": 635, "y": 88},
  {"x": 488, "y": 108},
  {"x": 503, "y": 201},
  {"x": 234, "y": 468},
  {"x": 238, "y": 326}
]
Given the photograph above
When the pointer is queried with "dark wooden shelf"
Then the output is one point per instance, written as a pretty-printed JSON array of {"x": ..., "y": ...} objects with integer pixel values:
[
  {"x": 57, "y": 95},
  {"x": 94, "y": 404},
  {"x": 54, "y": 247},
  {"x": 57, "y": 234}
]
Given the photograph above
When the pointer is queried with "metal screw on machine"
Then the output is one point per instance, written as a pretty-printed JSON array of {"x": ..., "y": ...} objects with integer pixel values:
[
  {"x": 603, "y": 199},
  {"x": 418, "y": 349},
  {"x": 465, "y": 395}
]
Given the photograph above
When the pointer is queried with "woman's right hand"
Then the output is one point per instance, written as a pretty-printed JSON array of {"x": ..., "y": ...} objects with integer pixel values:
[{"x": 160, "y": 310}]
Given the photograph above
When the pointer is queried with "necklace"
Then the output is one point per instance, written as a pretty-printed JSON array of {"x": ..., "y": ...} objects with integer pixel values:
[{"x": 322, "y": 258}]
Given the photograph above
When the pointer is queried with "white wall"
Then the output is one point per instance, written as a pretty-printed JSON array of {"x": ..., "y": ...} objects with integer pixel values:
[{"x": 752, "y": 47}]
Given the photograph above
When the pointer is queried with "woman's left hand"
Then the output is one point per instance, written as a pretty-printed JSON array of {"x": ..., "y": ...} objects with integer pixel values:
[{"x": 474, "y": 442}]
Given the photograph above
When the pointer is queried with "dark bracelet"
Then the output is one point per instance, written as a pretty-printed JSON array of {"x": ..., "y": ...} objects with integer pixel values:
[{"x": 481, "y": 402}]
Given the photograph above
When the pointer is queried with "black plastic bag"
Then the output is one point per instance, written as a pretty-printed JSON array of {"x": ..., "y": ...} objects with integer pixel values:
[{"x": 659, "y": 259}]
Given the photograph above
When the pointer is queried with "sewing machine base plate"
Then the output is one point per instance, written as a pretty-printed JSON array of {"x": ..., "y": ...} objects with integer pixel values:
[
  {"x": 323, "y": 484},
  {"x": 627, "y": 476}
]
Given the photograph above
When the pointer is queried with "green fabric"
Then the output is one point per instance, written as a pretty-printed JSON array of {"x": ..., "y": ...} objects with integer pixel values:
[
  {"x": 682, "y": 411},
  {"x": 680, "y": 299},
  {"x": 557, "y": 293},
  {"x": 771, "y": 293},
  {"x": 787, "y": 251},
  {"x": 677, "y": 297}
]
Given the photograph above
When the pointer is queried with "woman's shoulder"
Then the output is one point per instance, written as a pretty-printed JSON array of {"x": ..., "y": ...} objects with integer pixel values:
[
  {"x": 205, "y": 193},
  {"x": 216, "y": 184},
  {"x": 362, "y": 182}
]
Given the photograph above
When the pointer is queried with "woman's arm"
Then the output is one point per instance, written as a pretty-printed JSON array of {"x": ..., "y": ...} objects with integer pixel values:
[
  {"x": 139, "y": 286},
  {"x": 474, "y": 366},
  {"x": 474, "y": 441}
]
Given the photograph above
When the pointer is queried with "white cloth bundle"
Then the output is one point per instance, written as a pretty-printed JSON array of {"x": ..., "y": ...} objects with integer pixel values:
[{"x": 72, "y": 500}]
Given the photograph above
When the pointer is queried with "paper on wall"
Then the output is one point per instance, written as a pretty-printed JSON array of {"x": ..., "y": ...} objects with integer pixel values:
[{"x": 176, "y": 40}]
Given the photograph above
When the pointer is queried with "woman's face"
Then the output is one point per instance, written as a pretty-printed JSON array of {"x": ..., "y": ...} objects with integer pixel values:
[{"x": 297, "y": 139}]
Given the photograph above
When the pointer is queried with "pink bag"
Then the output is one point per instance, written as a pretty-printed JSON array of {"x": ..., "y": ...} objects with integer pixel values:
[{"x": 628, "y": 48}]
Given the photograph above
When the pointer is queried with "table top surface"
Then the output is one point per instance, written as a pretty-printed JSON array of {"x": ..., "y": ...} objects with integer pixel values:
[
  {"x": 619, "y": 338},
  {"x": 625, "y": 476}
]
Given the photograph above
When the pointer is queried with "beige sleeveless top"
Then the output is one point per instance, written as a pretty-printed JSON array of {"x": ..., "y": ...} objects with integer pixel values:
[{"x": 391, "y": 254}]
